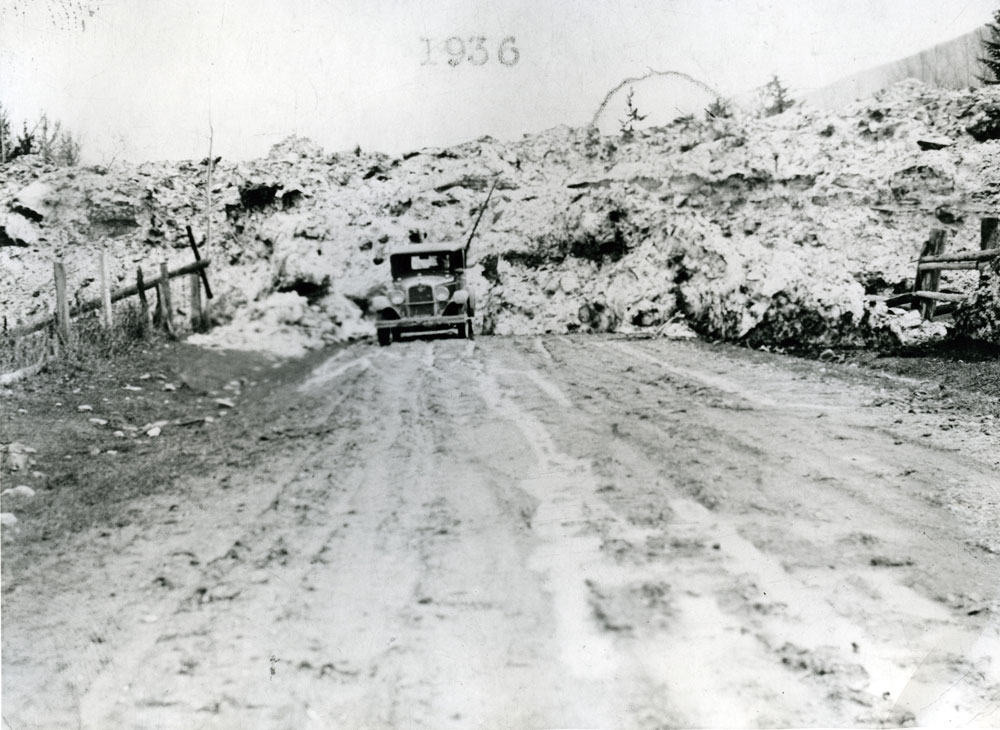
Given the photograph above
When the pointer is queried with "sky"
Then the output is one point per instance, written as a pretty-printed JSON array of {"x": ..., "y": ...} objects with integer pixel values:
[{"x": 148, "y": 79}]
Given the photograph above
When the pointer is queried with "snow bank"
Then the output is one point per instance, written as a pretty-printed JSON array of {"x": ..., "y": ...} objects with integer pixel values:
[{"x": 754, "y": 229}]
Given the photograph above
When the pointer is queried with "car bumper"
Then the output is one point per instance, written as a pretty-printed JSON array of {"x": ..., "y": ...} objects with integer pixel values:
[{"x": 422, "y": 323}]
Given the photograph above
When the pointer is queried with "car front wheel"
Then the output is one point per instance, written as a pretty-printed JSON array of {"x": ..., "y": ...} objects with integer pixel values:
[{"x": 384, "y": 337}]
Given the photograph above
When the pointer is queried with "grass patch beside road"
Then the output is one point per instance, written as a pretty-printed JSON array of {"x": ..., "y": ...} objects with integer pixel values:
[
  {"x": 91, "y": 343},
  {"x": 106, "y": 429}
]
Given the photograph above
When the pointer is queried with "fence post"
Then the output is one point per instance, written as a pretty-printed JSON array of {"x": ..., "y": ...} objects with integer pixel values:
[
  {"x": 140, "y": 286},
  {"x": 166, "y": 308},
  {"x": 106, "y": 291},
  {"x": 930, "y": 280},
  {"x": 197, "y": 317},
  {"x": 62, "y": 304},
  {"x": 989, "y": 233}
]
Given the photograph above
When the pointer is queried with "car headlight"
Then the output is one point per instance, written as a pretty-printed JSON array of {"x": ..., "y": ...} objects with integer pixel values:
[
  {"x": 442, "y": 294},
  {"x": 397, "y": 297}
]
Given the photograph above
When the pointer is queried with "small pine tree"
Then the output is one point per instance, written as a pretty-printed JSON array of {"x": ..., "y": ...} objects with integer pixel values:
[
  {"x": 5, "y": 139},
  {"x": 47, "y": 136},
  {"x": 719, "y": 109},
  {"x": 48, "y": 139},
  {"x": 632, "y": 115},
  {"x": 25, "y": 142},
  {"x": 776, "y": 97},
  {"x": 991, "y": 47},
  {"x": 68, "y": 151}
]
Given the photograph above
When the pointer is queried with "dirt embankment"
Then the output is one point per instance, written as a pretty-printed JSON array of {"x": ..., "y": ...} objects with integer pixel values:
[
  {"x": 532, "y": 532},
  {"x": 758, "y": 230}
]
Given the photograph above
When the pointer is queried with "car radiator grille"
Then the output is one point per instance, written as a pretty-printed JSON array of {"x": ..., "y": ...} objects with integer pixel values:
[{"x": 421, "y": 293}]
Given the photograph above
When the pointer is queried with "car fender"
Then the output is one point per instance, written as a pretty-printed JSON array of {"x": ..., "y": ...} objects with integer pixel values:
[
  {"x": 381, "y": 302},
  {"x": 460, "y": 297}
]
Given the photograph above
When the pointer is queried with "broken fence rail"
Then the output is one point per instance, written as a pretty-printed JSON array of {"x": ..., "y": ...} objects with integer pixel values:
[
  {"x": 939, "y": 296},
  {"x": 933, "y": 261},
  {"x": 973, "y": 256}
]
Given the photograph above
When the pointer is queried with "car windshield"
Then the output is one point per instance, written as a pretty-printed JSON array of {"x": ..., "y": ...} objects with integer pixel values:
[{"x": 422, "y": 263}]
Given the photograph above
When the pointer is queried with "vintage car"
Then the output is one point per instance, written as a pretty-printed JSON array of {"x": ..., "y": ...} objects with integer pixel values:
[{"x": 428, "y": 292}]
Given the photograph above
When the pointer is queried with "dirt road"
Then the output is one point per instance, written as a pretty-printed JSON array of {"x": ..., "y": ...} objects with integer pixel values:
[{"x": 543, "y": 532}]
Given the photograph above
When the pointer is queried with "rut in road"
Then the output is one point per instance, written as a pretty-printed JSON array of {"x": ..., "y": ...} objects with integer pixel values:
[
  {"x": 826, "y": 534},
  {"x": 537, "y": 532},
  {"x": 389, "y": 548}
]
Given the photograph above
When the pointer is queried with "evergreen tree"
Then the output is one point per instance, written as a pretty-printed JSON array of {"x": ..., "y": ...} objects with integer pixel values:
[
  {"x": 719, "y": 109},
  {"x": 776, "y": 97},
  {"x": 68, "y": 152},
  {"x": 632, "y": 115},
  {"x": 45, "y": 138},
  {"x": 25, "y": 142},
  {"x": 991, "y": 47},
  {"x": 5, "y": 139}
]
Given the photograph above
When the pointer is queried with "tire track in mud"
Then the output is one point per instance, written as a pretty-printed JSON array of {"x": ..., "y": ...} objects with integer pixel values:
[
  {"x": 144, "y": 572},
  {"x": 164, "y": 676},
  {"x": 468, "y": 635},
  {"x": 373, "y": 606},
  {"x": 812, "y": 635},
  {"x": 569, "y": 556},
  {"x": 373, "y": 597},
  {"x": 530, "y": 532},
  {"x": 658, "y": 623}
]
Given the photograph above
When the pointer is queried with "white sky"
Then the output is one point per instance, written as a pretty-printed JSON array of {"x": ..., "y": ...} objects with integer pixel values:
[{"x": 143, "y": 77}]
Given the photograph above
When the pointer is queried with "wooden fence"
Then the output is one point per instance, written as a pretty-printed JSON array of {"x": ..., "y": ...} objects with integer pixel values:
[
  {"x": 196, "y": 272},
  {"x": 933, "y": 260}
]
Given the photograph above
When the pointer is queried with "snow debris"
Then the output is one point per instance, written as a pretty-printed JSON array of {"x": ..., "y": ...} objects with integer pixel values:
[{"x": 758, "y": 229}]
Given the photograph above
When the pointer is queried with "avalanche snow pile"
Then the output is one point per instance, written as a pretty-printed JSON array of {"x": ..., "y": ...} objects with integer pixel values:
[{"x": 765, "y": 230}]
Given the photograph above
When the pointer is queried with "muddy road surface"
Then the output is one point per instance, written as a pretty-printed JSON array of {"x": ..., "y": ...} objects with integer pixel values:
[{"x": 543, "y": 532}]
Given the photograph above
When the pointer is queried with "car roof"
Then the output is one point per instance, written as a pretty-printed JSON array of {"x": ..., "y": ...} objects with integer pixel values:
[{"x": 429, "y": 248}]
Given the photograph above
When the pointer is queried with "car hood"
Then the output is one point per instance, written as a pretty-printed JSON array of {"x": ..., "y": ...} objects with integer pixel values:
[{"x": 428, "y": 279}]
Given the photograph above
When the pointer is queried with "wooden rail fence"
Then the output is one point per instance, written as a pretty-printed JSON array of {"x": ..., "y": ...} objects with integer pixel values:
[
  {"x": 196, "y": 272},
  {"x": 933, "y": 260}
]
